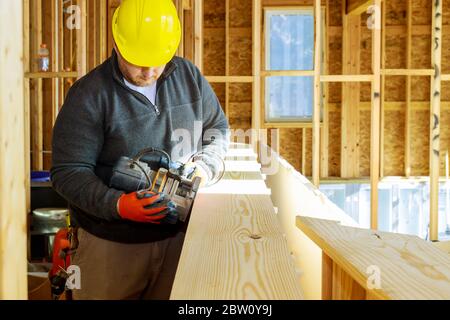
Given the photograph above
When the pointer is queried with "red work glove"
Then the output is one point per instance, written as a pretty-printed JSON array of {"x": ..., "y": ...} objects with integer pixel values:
[{"x": 142, "y": 206}]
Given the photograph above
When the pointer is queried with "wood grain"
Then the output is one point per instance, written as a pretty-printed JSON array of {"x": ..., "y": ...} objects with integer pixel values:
[
  {"x": 234, "y": 247},
  {"x": 410, "y": 268},
  {"x": 13, "y": 235}
]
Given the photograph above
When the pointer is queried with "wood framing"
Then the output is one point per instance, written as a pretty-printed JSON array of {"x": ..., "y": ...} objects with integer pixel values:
[
  {"x": 324, "y": 136},
  {"x": 375, "y": 117},
  {"x": 37, "y": 137},
  {"x": 435, "y": 117},
  {"x": 351, "y": 39},
  {"x": 26, "y": 103},
  {"x": 317, "y": 93},
  {"x": 81, "y": 42},
  {"x": 383, "y": 85},
  {"x": 13, "y": 226},
  {"x": 356, "y": 7},
  {"x": 198, "y": 31},
  {"x": 408, "y": 89},
  {"x": 257, "y": 116}
]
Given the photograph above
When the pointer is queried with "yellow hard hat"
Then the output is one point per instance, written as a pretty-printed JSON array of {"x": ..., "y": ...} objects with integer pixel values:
[{"x": 147, "y": 32}]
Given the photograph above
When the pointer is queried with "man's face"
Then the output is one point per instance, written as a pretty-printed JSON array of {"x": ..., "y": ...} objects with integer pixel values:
[{"x": 139, "y": 76}]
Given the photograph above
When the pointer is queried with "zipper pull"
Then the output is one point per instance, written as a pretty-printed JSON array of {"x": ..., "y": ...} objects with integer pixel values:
[{"x": 157, "y": 110}]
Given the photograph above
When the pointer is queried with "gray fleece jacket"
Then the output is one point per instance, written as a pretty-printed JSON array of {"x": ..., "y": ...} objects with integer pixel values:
[{"x": 102, "y": 119}]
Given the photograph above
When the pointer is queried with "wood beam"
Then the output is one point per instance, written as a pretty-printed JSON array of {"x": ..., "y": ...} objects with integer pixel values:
[
  {"x": 13, "y": 227},
  {"x": 36, "y": 101},
  {"x": 408, "y": 89},
  {"x": 350, "y": 96},
  {"x": 256, "y": 70},
  {"x": 436, "y": 57},
  {"x": 317, "y": 94},
  {"x": 227, "y": 57},
  {"x": 383, "y": 83},
  {"x": 375, "y": 117},
  {"x": 356, "y": 7},
  {"x": 198, "y": 31},
  {"x": 81, "y": 43},
  {"x": 324, "y": 136}
]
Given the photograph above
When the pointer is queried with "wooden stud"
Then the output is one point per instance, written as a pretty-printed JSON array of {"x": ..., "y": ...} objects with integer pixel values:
[
  {"x": 26, "y": 103},
  {"x": 356, "y": 7},
  {"x": 327, "y": 277},
  {"x": 257, "y": 115},
  {"x": 36, "y": 102},
  {"x": 317, "y": 94},
  {"x": 383, "y": 84},
  {"x": 227, "y": 57},
  {"x": 225, "y": 79},
  {"x": 81, "y": 44},
  {"x": 198, "y": 30},
  {"x": 347, "y": 78},
  {"x": 351, "y": 40},
  {"x": 324, "y": 136},
  {"x": 13, "y": 227},
  {"x": 435, "y": 112},
  {"x": 375, "y": 118},
  {"x": 408, "y": 90}
]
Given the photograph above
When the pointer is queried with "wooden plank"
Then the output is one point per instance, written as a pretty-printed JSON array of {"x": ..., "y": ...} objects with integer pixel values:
[
  {"x": 287, "y": 73},
  {"x": 383, "y": 85},
  {"x": 324, "y": 136},
  {"x": 327, "y": 277},
  {"x": 226, "y": 79},
  {"x": 26, "y": 103},
  {"x": 317, "y": 94},
  {"x": 234, "y": 249},
  {"x": 344, "y": 287},
  {"x": 356, "y": 7},
  {"x": 104, "y": 27},
  {"x": 435, "y": 117},
  {"x": 387, "y": 265},
  {"x": 198, "y": 31},
  {"x": 257, "y": 115},
  {"x": 240, "y": 232},
  {"x": 351, "y": 40},
  {"x": 227, "y": 57},
  {"x": 36, "y": 101},
  {"x": 347, "y": 78},
  {"x": 375, "y": 123},
  {"x": 408, "y": 89},
  {"x": 81, "y": 42},
  {"x": 13, "y": 226},
  {"x": 407, "y": 72}
]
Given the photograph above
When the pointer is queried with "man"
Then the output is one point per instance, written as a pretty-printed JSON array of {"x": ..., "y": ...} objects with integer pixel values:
[{"x": 136, "y": 99}]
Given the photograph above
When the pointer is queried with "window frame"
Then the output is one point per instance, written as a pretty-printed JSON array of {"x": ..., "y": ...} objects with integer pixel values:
[{"x": 294, "y": 123}]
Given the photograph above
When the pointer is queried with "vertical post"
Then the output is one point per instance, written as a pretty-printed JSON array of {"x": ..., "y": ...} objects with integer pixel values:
[
  {"x": 26, "y": 101},
  {"x": 13, "y": 235},
  {"x": 351, "y": 56},
  {"x": 227, "y": 57},
  {"x": 36, "y": 101},
  {"x": 383, "y": 83},
  {"x": 408, "y": 91},
  {"x": 435, "y": 117},
  {"x": 317, "y": 94},
  {"x": 325, "y": 132},
  {"x": 304, "y": 151},
  {"x": 104, "y": 27},
  {"x": 198, "y": 30},
  {"x": 256, "y": 107},
  {"x": 82, "y": 41},
  {"x": 376, "y": 104}
]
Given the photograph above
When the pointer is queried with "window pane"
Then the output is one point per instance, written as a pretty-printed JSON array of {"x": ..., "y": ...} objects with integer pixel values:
[
  {"x": 290, "y": 40},
  {"x": 289, "y": 98}
]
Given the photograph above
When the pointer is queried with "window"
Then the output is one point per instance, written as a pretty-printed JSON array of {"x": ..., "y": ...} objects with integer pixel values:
[{"x": 289, "y": 45}]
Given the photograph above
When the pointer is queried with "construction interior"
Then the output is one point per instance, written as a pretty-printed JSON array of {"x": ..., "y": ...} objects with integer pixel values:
[{"x": 344, "y": 197}]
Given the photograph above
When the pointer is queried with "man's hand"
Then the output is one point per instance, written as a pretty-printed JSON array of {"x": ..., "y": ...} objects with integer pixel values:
[{"x": 144, "y": 206}]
